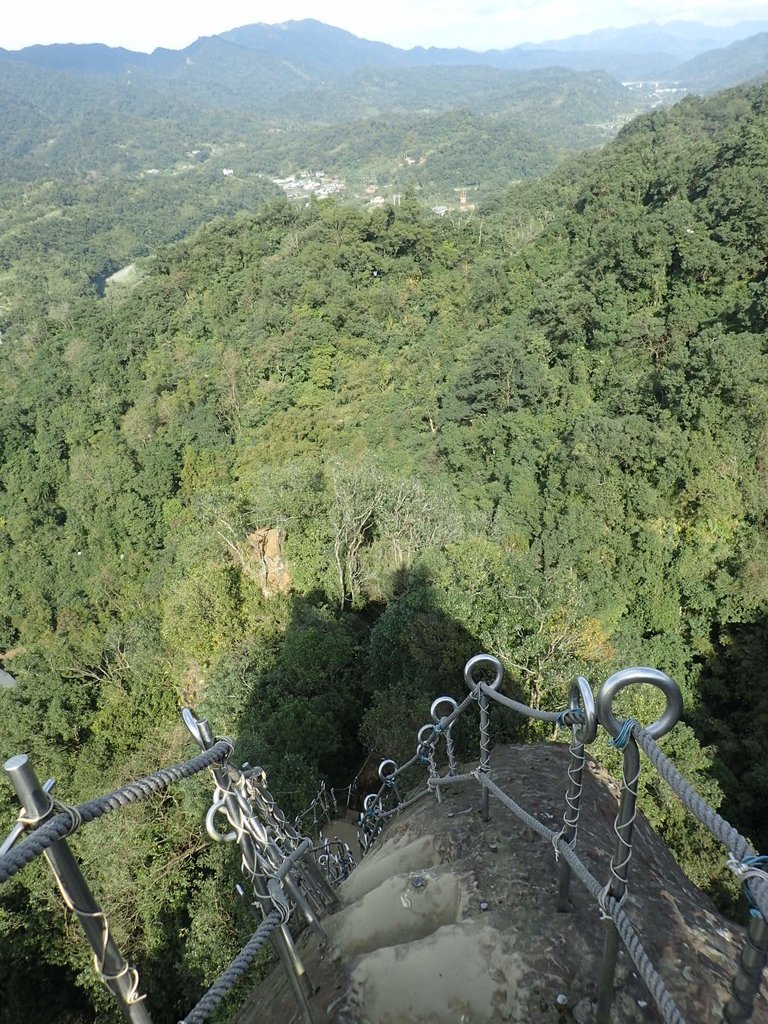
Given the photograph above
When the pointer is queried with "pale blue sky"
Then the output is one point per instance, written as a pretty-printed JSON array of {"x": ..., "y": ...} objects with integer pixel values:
[{"x": 479, "y": 25}]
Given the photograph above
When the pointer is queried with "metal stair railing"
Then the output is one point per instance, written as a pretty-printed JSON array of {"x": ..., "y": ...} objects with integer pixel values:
[{"x": 584, "y": 715}]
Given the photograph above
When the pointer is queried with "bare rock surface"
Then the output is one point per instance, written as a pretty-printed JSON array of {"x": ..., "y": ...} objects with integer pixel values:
[{"x": 452, "y": 919}]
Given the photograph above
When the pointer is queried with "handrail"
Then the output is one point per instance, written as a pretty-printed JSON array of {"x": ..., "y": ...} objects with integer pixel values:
[
  {"x": 287, "y": 872},
  {"x": 584, "y": 715},
  {"x": 275, "y": 857}
]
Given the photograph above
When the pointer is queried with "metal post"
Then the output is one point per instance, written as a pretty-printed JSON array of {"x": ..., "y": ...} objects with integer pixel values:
[
  {"x": 622, "y": 735},
  {"x": 485, "y": 731},
  {"x": 581, "y": 700},
  {"x": 281, "y": 937},
  {"x": 436, "y": 718},
  {"x": 617, "y": 887},
  {"x": 746, "y": 984},
  {"x": 426, "y": 739},
  {"x": 286, "y": 950},
  {"x": 313, "y": 880},
  {"x": 119, "y": 977}
]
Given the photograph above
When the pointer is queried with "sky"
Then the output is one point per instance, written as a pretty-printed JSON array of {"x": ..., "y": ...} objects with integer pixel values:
[{"x": 479, "y": 25}]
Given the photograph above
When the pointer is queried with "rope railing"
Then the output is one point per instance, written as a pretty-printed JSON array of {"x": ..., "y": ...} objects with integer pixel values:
[
  {"x": 288, "y": 872},
  {"x": 279, "y": 862},
  {"x": 229, "y": 978},
  {"x": 70, "y": 819},
  {"x": 583, "y": 716}
]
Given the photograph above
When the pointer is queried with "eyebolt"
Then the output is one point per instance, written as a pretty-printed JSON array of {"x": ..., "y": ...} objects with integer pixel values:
[
  {"x": 628, "y": 677},
  {"x": 387, "y": 775},
  {"x": 427, "y": 731},
  {"x": 434, "y": 712},
  {"x": 582, "y": 699},
  {"x": 483, "y": 659},
  {"x": 218, "y": 837}
]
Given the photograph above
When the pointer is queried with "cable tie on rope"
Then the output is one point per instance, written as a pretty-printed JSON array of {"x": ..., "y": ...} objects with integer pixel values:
[
  {"x": 620, "y": 741},
  {"x": 746, "y": 869}
]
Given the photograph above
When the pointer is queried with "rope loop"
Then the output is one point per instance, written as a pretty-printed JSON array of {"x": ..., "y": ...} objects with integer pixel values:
[
  {"x": 622, "y": 739},
  {"x": 608, "y": 909},
  {"x": 749, "y": 867},
  {"x": 74, "y": 815}
]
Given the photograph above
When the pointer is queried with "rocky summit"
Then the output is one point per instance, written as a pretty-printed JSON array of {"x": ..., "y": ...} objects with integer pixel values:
[{"x": 452, "y": 919}]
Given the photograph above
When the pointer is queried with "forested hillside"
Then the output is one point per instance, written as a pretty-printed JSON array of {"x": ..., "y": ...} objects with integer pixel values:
[
  {"x": 100, "y": 163},
  {"x": 539, "y": 431}
]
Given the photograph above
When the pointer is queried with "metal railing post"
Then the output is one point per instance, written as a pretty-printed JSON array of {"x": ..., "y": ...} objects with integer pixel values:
[
  {"x": 120, "y": 978},
  {"x": 581, "y": 699},
  {"x": 281, "y": 937},
  {"x": 752, "y": 963},
  {"x": 623, "y": 738},
  {"x": 485, "y": 731},
  {"x": 617, "y": 887},
  {"x": 434, "y": 712}
]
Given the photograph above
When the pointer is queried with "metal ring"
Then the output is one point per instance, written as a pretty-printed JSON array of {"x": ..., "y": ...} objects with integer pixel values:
[
  {"x": 434, "y": 713},
  {"x": 384, "y": 775},
  {"x": 628, "y": 677},
  {"x": 483, "y": 659},
  {"x": 582, "y": 699},
  {"x": 430, "y": 733},
  {"x": 370, "y": 800},
  {"x": 218, "y": 837}
]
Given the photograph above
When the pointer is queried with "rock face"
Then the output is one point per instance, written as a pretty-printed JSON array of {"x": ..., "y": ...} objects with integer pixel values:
[
  {"x": 264, "y": 552},
  {"x": 452, "y": 919}
]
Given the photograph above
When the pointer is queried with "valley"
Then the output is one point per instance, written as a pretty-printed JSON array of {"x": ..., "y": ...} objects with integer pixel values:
[{"x": 479, "y": 351}]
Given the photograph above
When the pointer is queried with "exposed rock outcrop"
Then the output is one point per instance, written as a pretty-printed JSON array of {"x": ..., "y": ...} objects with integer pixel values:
[
  {"x": 450, "y": 919},
  {"x": 264, "y": 561}
]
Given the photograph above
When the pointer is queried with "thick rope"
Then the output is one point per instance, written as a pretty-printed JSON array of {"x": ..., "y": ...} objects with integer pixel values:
[
  {"x": 654, "y": 983},
  {"x": 450, "y": 780},
  {"x": 739, "y": 847},
  {"x": 401, "y": 807},
  {"x": 64, "y": 824},
  {"x": 523, "y": 709},
  {"x": 227, "y": 981}
]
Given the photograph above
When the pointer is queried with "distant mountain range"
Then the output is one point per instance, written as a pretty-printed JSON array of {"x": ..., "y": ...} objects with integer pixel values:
[
  {"x": 273, "y": 99},
  {"x": 260, "y": 63}
]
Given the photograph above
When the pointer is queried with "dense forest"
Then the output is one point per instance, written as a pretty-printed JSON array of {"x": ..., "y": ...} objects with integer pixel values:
[{"x": 538, "y": 431}]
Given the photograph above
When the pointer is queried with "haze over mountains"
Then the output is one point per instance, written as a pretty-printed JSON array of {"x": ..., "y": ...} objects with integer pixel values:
[
  {"x": 105, "y": 129},
  {"x": 260, "y": 61}
]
